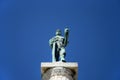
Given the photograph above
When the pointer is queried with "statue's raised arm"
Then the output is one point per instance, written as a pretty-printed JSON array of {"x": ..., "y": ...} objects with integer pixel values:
[{"x": 66, "y": 35}]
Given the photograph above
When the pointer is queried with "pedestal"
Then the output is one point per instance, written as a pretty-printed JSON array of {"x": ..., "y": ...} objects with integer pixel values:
[{"x": 59, "y": 71}]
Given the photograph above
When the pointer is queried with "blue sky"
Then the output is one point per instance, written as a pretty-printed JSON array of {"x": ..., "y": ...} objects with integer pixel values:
[{"x": 27, "y": 25}]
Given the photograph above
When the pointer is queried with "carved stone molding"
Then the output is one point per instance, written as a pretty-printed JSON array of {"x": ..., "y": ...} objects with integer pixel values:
[{"x": 58, "y": 73}]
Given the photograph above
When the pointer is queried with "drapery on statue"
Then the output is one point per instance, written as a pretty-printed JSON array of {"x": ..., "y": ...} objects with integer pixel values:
[{"x": 58, "y": 44}]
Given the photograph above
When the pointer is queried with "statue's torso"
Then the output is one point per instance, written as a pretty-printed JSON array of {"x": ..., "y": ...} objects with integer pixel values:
[{"x": 59, "y": 40}]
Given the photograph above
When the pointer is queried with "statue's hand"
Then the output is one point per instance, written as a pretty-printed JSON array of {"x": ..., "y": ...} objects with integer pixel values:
[{"x": 66, "y": 30}]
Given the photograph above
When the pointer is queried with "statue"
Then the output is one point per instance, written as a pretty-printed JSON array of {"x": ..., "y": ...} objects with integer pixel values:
[{"x": 58, "y": 44}]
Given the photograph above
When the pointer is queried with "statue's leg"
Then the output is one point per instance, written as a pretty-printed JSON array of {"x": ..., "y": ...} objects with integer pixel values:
[
  {"x": 62, "y": 55},
  {"x": 56, "y": 52},
  {"x": 57, "y": 55}
]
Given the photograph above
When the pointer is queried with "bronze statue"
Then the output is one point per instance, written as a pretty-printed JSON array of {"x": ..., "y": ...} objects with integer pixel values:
[{"x": 58, "y": 44}]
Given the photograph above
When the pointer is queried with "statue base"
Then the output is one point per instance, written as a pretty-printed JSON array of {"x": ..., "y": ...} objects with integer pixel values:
[{"x": 59, "y": 71}]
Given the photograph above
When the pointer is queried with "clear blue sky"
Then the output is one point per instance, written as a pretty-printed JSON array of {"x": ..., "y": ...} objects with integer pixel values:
[{"x": 27, "y": 25}]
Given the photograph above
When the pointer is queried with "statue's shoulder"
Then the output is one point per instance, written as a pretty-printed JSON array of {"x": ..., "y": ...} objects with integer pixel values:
[
  {"x": 59, "y": 37},
  {"x": 52, "y": 39}
]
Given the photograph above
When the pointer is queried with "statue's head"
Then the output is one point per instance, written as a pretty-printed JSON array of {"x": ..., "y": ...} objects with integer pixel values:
[{"x": 58, "y": 32}]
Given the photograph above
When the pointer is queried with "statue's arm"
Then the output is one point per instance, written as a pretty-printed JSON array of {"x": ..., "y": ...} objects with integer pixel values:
[
  {"x": 66, "y": 36},
  {"x": 51, "y": 43}
]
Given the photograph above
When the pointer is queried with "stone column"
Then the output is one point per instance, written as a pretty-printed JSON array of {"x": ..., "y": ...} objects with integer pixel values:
[{"x": 59, "y": 71}]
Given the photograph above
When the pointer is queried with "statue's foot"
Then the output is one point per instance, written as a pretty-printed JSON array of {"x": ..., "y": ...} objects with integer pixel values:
[{"x": 63, "y": 61}]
